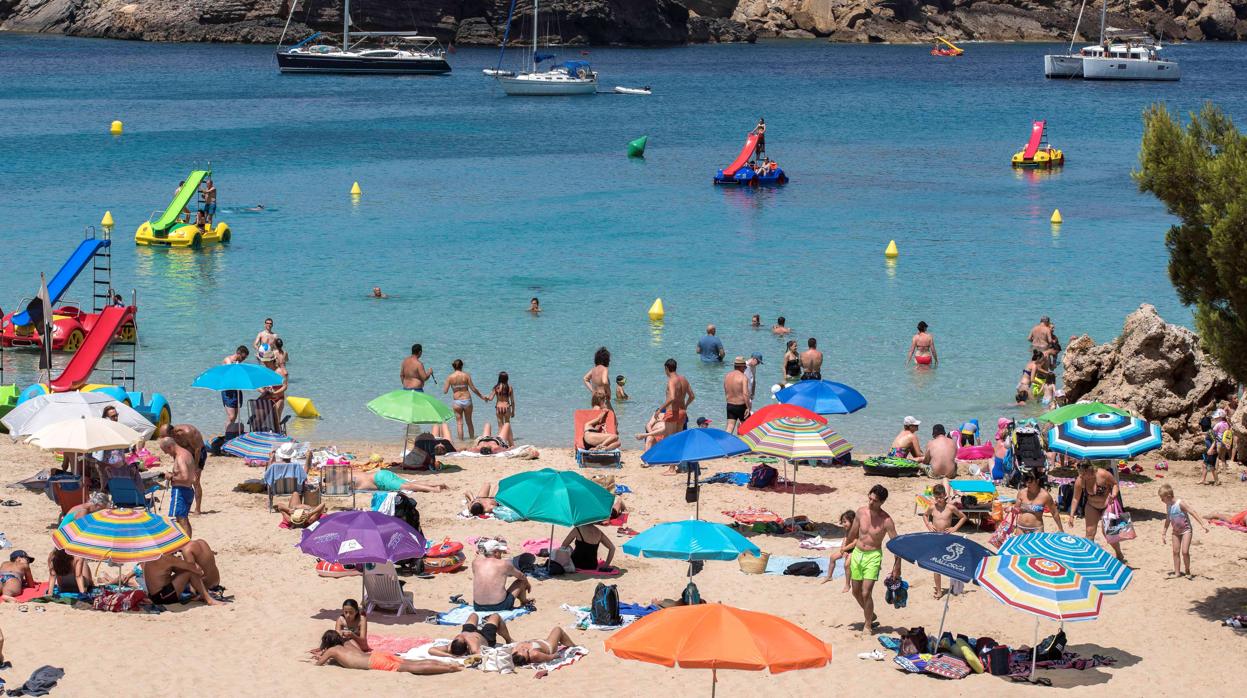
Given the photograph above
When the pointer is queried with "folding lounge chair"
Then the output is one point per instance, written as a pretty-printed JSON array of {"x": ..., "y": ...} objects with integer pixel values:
[
  {"x": 264, "y": 417},
  {"x": 338, "y": 481},
  {"x": 68, "y": 493},
  {"x": 382, "y": 590},
  {"x": 284, "y": 479},
  {"x": 127, "y": 495},
  {"x": 595, "y": 458}
]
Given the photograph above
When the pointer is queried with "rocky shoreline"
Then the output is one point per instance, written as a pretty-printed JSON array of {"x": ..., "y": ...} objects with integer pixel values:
[{"x": 631, "y": 22}]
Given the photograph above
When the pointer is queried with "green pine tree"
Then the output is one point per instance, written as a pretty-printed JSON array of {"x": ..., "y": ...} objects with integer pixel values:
[{"x": 1200, "y": 173}]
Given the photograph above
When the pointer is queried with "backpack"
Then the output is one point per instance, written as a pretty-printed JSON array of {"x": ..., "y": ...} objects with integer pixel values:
[
  {"x": 690, "y": 596},
  {"x": 807, "y": 568},
  {"x": 763, "y": 476},
  {"x": 1052, "y": 647},
  {"x": 604, "y": 610}
]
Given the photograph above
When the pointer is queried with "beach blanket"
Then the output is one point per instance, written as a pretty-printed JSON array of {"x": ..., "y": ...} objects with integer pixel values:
[
  {"x": 622, "y": 489},
  {"x": 727, "y": 478},
  {"x": 565, "y": 657},
  {"x": 752, "y": 516},
  {"x": 777, "y": 564},
  {"x": 1020, "y": 662},
  {"x": 390, "y": 644},
  {"x": 525, "y": 452},
  {"x": 1227, "y": 524},
  {"x": 817, "y": 543},
  {"x": 40, "y": 683},
  {"x": 38, "y": 590},
  {"x": 459, "y": 615},
  {"x": 584, "y": 619},
  {"x": 421, "y": 651}
]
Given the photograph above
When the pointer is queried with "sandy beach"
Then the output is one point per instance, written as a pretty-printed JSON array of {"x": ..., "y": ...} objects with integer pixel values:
[{"x": 1162, "y": 632}]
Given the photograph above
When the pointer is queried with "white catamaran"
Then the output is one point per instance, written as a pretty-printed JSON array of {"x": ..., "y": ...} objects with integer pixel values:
[{"x": 1117, "y": 57}]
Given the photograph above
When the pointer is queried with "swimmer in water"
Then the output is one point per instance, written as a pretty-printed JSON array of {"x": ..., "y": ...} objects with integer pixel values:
[
  {"x": 376, "y": 292},
  {"x": 922, "y": 348},
  {"x": 257, "y": 208},
  {"x": 534, "y": 305}
]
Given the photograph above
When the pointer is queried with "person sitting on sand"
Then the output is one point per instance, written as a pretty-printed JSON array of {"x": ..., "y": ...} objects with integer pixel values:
[
  {"x": 98, "y": 501},
  {"x": 15, "y": 575},
  {"x": 906, "y": 444},
  {"x": 941, "y": 454},
  {"x": 352, "y": 625},
  {"x": 584, "y": 541},
  {"x": 489, "y": 580},
  {"x": 68, "y": 574},
  {"x": 297, "y": 514},
  {"x": 655, "y": 429},
  {"x": 333, "y": 648},
  {"x": 474, "y": 637},
  {"x": 527, "y": 652},
  {"x": 388, "y": 481},
  {"x": 167, "y": 577},
  {"x": 596, "y": 436},
  {"x": 483, "y": 501}
]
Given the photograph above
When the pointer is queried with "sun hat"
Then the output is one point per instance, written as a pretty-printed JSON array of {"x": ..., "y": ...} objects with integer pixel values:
[
  {"x": 912, "y": 422},
  {"x": 287, "y": 451},
  {"x": 493, "y": 546},
  {"x": 298, "y": 517},
  {"x": 738, "y": 361}
]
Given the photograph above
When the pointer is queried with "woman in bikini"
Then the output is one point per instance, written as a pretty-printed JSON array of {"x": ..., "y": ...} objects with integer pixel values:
[
  {"x": 69, "y": 575},
  {"x": 792, "y": 363},
  {"x": 596, "y": 436},
  {"x": 460, "y": 386},
  {"x": 584, "y": 542},
  {"x": 1032, "y": 499},
  {"x": 504, "y": 400},
  {"x": 922, "y": 348},
  {"x": 352, "y": 625},
  {"x": 1101, "y": 488},
  {"x": 538, "y": 651},
  {"x": 482, "y": 501}
]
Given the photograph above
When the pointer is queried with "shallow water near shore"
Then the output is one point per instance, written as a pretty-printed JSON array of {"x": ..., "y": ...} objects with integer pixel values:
[{"x": 473, "y": 202}]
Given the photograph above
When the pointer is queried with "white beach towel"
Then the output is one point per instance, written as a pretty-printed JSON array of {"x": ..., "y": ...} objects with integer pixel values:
[{"x": 584, "y": 619}]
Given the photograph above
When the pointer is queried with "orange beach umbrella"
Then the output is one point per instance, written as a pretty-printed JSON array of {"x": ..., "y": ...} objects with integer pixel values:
[{"x": 714, "y": 636}]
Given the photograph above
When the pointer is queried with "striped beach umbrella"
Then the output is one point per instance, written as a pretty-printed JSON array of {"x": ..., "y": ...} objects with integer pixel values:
[
  {"x": 256, "y": 445},
  {"x": 1080, "y": 554},
  {"x": 118, "y": 536},
  {"x": 795, "y": 438},
  {"x": 1104, "y": 435}
]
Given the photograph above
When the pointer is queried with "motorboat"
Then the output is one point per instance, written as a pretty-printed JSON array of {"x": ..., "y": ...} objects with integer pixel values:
[
  {"x": 632, "y": 90},
  {"x": 377, "y": 53}
]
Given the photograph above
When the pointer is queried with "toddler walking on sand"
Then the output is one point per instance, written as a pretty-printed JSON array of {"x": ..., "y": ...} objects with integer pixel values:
[{"x": 1179, "y": 515}]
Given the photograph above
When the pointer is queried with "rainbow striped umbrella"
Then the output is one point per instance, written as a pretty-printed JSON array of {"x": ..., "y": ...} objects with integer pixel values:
[
  {"x": 118, "y": 536},
  {"x": 1042, "y": 587},
  {"x": 796, "y": 438},
  {"x": 1082, "y": 555}
]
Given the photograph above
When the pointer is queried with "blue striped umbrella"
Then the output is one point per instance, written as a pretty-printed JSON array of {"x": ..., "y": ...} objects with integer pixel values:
[
  {"x": 256, "y": 445},
  {"x": 1104, "y": 435},
  {"x": 1080, "y": 554}
]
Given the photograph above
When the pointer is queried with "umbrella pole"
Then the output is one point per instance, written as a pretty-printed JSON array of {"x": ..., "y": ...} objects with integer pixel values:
[
  {"x": 1035, "y": 649},
  {"x": 793, "y": 515},
  {"x": 550, "y": 548},
  {"x": 943, "y": 615},
  {"x": 714, "y": 681}
]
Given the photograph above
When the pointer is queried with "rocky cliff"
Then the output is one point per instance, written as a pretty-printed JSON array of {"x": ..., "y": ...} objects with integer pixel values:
[
  {"x": 634, "y": 22},
  {"x": 1154, "y": 369}
]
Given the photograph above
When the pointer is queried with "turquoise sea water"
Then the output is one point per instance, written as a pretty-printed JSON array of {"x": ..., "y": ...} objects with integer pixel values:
[{"x": 474, "y": 201}]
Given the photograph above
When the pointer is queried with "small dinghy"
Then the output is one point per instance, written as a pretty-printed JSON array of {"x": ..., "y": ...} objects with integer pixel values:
[{"x": 632, "y": 90}]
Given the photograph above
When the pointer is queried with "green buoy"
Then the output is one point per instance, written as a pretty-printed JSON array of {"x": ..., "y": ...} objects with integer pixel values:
[{"x": 636, "y": 149}]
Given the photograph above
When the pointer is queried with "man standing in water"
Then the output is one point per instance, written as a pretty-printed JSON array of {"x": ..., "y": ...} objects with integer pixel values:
[
  {"x": 679, "y": 397},
  {"x": 710, "y": 347},
  {"x": 263, "y": 343},
  {"x": 736, "y": 392},
  {"x": 781, "y": 327},
  {"x": 866, "y": 537},
  {"x": 598, "y": 380},
  {"x": 1041, "y": 335},
  {"x": 412, "y": 372},
  {"x": 812, "y": 362}
]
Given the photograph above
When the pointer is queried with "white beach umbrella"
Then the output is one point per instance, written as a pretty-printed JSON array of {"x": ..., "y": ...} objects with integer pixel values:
[
  {"x": 38, "y": 412},
  {"x": 84, "y": 435}
]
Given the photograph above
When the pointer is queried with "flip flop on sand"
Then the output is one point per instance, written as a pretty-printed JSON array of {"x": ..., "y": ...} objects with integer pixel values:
[{"x": 876, "y": 655}]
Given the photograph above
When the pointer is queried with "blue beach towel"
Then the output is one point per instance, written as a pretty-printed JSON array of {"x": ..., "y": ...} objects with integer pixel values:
[
  {"x": 727, "y": 477},
  {"x": 777, "y": 565},
  {"x": 622, "y": 489},
  {"x": 636, "y": 609},
  {"x": 459, "y": 614}
]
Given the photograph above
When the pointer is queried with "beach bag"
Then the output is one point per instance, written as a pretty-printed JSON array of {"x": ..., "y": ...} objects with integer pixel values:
[
  {"x": 807, "y": 568},
  {"x": 1052, "y": 648},
  {"x": 120, "y": 601},
  {"x": 690, "y": 596},
  {"x": 998, "y": 661},
  {"x": 1117, "y": 524},
  {"x": 604, "y": 610},
  {"x": 1065, "y": 497},
  {"x": 915, "y": 641},
  {"x": 763, "y": 476},
  {"x": 1003, "y": 529},
  {"x": 497, "y": 659},
  {"x": 691, "y": 486}
]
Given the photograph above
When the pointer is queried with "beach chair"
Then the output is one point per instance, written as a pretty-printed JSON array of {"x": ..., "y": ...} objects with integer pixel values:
[
  {"x": 128, "y": 496},
  {"x": 67, "y": 493},
  {"x": 338, "y": 481},
  {"x": 382, "y": 590},
  {"x": 284, "y": 479},
  {"x": 264, "y": 417},
  {"x": 593, "y": 458}
]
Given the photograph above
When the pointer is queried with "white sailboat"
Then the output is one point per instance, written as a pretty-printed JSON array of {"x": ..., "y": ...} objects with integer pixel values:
[
  {"x": 1119, "y": 57},
  {"x": 563, "y": 79}
]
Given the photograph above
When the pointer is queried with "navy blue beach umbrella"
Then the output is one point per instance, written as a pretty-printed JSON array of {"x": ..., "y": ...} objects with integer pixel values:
[
  {"x": 822, "y": 397},
  {"x": 947, "y": 554}
]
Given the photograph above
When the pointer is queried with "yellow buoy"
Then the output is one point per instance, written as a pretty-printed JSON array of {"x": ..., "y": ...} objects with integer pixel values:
[
  {"x": 355, "y": 190},
  {"x": 107, "y": 220},
  {"x": 1056, "y": 216},
  {"x": 302, "y": 407},
  {"x": 656, "y": 311},
  {"x": 115, "y": 128},
  {"x": 891, "y": 250}
]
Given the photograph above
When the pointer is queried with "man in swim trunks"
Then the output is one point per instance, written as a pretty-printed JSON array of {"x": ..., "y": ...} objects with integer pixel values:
[
  {"x": 189, "y": 438},
  {"x": 489, "y": 580},
  {"x": 182, "y": 483},
  {"x": 263, "y": 343},
  {"x": 334, "y": 648},
  {"x": 866, "y": 537},
  {"x": 1041, "y": 335},
  {"x": 906, "y": 444},
  {"x": 168, "y": 576},
  {"x": 679, "y": 397},
  {"x": 736, "y": 393},
  {"x": 232, "y": 399},
  {"x": 941, "y": 454},
  {"x": 15, "y": 575},
  {"x": 413, "y": 373},
  {"x": 597, "y": 380},
  {"x": 812, "y": 362},
  {"x": 388, "y": 481},
  {"x": 474, "y": 637}
]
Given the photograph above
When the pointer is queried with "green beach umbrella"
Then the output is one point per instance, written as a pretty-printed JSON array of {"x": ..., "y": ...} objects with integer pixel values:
[
  {"x": 556, "y": 497},
  {"x": 410, "y": 407},
  {"x": 1062, "y": 415}
]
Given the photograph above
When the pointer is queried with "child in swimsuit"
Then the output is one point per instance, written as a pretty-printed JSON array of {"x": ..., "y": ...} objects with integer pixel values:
[
  {"x": 1178, "y": 515},
  {"x": 352, "y": 625}
]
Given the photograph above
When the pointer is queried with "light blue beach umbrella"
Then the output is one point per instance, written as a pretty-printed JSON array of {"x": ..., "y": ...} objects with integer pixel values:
[
  {"x": 690, "y": 540},
  {"x": 237, "y": 377},
  {"x": 1080, "y": 554},
  {"x": 822, "y": 397},
  {"x": 1104, "y": 435}
]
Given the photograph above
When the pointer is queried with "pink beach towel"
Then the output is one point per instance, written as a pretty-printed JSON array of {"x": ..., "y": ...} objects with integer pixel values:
[
  {"x": 395, "y": 645},
  {"x": 1227, "y": 524}
]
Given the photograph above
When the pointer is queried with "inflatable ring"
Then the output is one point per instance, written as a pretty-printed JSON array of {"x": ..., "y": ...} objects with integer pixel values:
[
  {"x": 441, "y": 565},
  {"x": 447, "y": 548}
]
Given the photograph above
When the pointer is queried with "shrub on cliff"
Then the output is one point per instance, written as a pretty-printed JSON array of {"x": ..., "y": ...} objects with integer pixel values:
[{"x": 1200, "y": 173}]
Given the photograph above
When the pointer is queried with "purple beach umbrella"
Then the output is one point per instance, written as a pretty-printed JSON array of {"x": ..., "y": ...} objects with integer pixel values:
[{"x": 361, "y": 537}]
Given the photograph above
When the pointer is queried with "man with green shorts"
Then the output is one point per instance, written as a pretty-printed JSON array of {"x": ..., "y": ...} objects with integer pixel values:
[
  {"x": 388, "y": 481},
  {"x": 864, "y": 547}
]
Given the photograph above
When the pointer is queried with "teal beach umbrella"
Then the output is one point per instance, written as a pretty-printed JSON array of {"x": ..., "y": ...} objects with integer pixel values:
[{"x": 556, "y": 497}]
